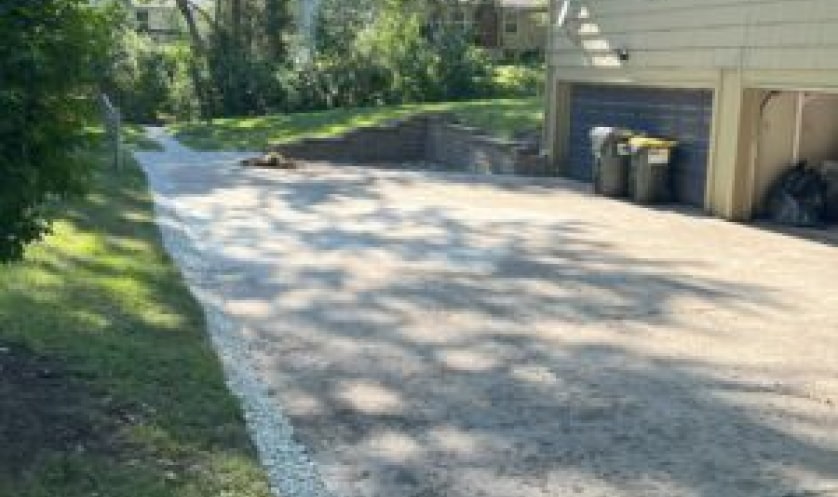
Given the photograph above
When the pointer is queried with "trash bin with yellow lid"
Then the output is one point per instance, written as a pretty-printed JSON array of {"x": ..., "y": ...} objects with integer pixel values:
[{"x": 649, "y": 181}]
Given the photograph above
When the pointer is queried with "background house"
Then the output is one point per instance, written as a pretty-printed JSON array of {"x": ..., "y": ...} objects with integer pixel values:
[
  {"x": 160, "y": 19},
  {"x": 747, "y": 87},
  {"x": 508, "y": 28}
]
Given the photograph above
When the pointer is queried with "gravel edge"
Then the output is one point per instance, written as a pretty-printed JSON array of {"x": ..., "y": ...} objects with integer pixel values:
[{"x": 290, "y": 470}]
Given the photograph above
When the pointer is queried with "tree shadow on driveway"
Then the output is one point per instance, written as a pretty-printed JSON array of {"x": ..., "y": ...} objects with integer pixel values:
[{"x": 433, "y": 339}]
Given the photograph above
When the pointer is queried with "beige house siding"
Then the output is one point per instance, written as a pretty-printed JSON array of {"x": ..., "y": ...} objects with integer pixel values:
[
  {"x": 161, "y": 22},
  {"x": 747, "y": 34},
  {"x": 531, "y": 31},
  {"x": 737, "y": 48},
  {"x": 531, "y": 24}
]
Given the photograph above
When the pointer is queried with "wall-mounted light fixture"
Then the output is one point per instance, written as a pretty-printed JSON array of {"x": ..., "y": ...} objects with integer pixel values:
[{"x": 623, "y": 54}]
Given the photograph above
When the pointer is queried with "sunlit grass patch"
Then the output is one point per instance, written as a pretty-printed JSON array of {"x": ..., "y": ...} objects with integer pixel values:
[
  {"x": 135, "y": 137},
  {"x": 503, "y": 117},
  {"x": 132, "y": 381}
]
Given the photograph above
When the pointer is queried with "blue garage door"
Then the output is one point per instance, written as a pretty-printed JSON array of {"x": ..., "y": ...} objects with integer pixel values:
[{"x": 683, "y": 115}]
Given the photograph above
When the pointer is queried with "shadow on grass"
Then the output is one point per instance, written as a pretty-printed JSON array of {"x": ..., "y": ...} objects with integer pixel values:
[
  {"x": 134, "y": 402},
  {"x": 42, "y": 411}
]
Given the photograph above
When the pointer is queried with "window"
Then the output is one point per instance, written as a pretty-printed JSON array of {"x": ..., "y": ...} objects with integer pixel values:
[
  {"x": 510, "y": 23},
  {"x": 460, "y": 20},
  {"x": 142, "y": 20}
]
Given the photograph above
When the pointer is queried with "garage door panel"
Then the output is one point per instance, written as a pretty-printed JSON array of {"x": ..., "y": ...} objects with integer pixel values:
[{"x": 684, "y": 115}]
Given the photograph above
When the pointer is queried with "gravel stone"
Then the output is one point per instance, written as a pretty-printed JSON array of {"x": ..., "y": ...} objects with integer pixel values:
[{"x": 290, "y": 469}]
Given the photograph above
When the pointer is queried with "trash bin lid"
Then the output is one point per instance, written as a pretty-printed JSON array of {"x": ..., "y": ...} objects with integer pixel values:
[
  {"x": 638, "y": 142},
  {"x": 598, "y": 137},
  {"x": 601, "y": 134}
]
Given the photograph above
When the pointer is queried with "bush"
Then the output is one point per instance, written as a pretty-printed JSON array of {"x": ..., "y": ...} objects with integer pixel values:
[
  {"x": 149, "y": 81},
  {"x": 366, "y": 53},
  {"x": 385, "y": 53},
  {"x": 462, "y": 70},
  {"x": 50, "y": 51},
  {"x": 518, "y": 80}
]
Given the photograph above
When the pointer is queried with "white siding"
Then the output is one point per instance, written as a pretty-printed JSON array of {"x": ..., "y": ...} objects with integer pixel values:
[{"x": 698, "y": 34}]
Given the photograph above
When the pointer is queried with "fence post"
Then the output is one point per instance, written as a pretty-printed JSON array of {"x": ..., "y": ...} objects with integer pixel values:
[
  {"x": 113, "y": 125},
  {"x": 117, "y": 139}
]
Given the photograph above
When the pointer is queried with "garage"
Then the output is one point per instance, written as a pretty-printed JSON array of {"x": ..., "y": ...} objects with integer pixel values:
[
  {"x": 795, "y": 126},
  {"x": 681, "y": 114}
]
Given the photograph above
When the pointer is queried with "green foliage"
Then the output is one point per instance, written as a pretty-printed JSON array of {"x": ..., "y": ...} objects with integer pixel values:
[
  {"x": 50, "y": 51},
  {"x": 182, "y": 98},
  {"x": 228, "y": 67},
  {"x": 460, "y": 69},
  {"x": 150, "y": 81},
  {"x": 247, "y": 52},
  {"x": 338, "y": 22},
  {"x": 366, "y": 53},
  {"x": 243, "y": 83},
  {"x": 379, "y": 52},
  {"x": 518, "y": 80}
]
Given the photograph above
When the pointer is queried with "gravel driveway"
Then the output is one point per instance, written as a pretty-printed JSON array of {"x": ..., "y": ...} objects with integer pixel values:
[{"x": 432, "y": 334}]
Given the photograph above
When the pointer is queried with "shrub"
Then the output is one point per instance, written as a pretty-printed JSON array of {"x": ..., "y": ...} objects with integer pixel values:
[
  {"x": 50, "y": 51},
  {"x": 150, "y": 81},
  {"x": 374, "y": 53},
  {"x": 517, "y": 80}
]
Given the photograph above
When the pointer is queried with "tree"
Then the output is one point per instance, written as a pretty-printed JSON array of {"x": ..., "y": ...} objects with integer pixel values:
[
  {"x": 199, "y": 56},
  {"x": 246, "y": 47},
  {"x": 277, "y": 20},
  {"x": 50, "y": 51},
  {"x": 392, "y": 51}
]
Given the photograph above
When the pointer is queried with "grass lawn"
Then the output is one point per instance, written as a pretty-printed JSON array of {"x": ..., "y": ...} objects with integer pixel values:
[
  {"x": 501, "y": 116},
  {"x": 108, "y": 384},
  {"x": 134, "y": 135}
]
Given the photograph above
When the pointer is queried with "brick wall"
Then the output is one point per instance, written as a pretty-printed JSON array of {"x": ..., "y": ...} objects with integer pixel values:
[
  {"x": 430, "y": 138},
  {"x": 468, "y": 149}
]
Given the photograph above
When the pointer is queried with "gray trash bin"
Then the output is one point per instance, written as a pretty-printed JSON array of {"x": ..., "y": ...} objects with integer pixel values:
[
  {"x": 611, "y": 160},
  {"x": 649, "y": 181}
]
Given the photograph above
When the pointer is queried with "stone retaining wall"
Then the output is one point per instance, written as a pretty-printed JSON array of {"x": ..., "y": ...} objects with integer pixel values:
[{"x": 429, "y": 138}]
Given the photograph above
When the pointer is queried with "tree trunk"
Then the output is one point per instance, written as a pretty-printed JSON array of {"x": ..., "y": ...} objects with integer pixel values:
[
  {"x": 194, "y": 34},
  {"x": 199, "y": 50},
  {"x": 276, "y": 19}
]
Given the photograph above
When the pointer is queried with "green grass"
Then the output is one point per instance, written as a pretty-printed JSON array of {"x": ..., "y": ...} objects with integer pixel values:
[
  {"x": 500, "y": 116},
  {"x": 133, "y": 403},
  {"x": 135, "y": 137}
]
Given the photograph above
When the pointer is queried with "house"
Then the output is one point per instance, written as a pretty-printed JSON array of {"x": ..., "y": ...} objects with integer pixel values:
[
  {"x": 507, "y": 28},
  {"x": 160, "y": 19},
  {"x": 747, "y": 88}
]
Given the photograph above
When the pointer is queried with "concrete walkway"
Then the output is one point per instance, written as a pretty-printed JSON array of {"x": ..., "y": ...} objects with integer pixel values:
[{"x": 432, "y": 334}]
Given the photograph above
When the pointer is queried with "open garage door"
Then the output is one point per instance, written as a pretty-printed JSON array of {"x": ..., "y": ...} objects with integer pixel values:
[
  {"x": 795, "y": 126},
  {"x": 683, "y": 115}
]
